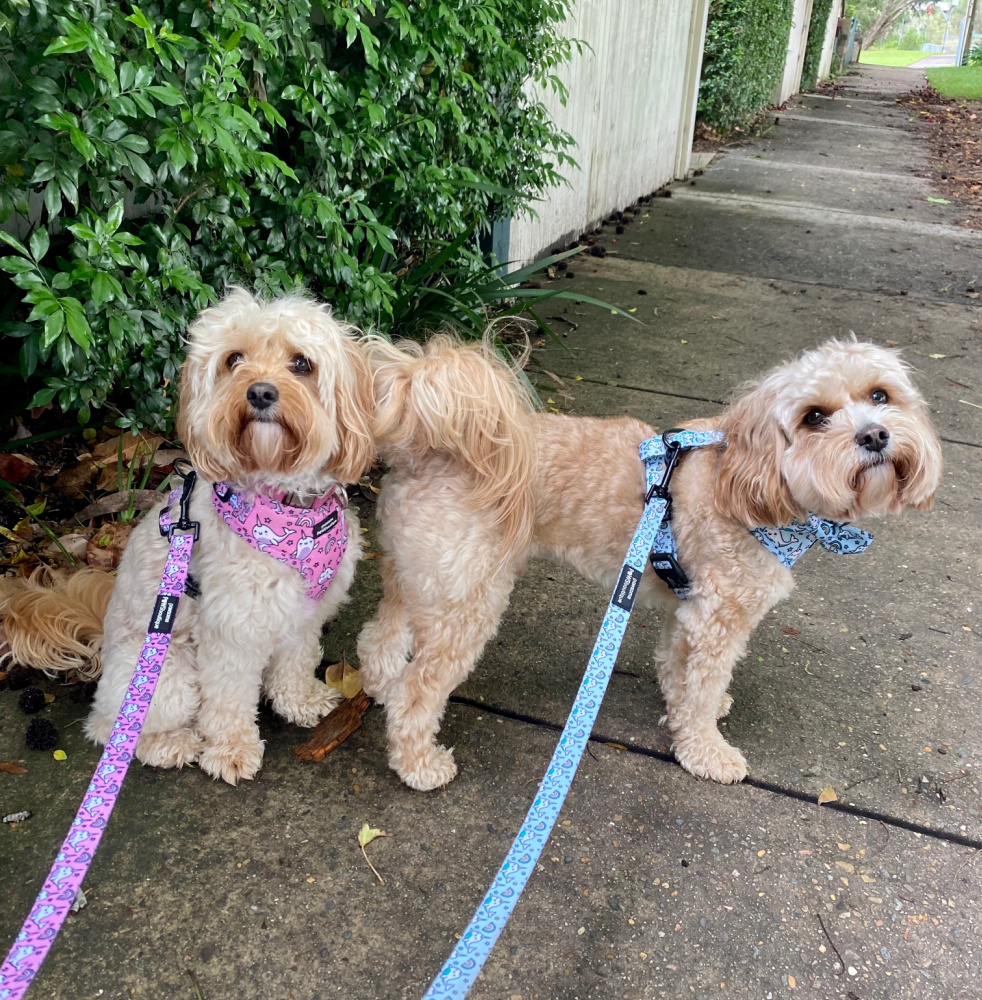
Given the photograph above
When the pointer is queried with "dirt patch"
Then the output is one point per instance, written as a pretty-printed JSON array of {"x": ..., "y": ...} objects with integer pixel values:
[{"x": 956, "y": 148}]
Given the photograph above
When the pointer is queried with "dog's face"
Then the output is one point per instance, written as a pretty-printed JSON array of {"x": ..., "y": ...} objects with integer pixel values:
[
  {"x": 275, "y": 394},
  {"x": 840, "y": 432}
]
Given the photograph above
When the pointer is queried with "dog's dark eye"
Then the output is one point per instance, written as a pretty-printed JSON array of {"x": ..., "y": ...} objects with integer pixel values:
[
  {"x": 301, "y": 365},
  {"x": 879, "y": 396},
  {"x": 815, "y": 418},
  {"x": 232, "y": 360}
]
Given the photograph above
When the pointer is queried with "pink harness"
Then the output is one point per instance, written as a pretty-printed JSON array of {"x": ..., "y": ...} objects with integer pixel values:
[{"x": 310, "y": 539}]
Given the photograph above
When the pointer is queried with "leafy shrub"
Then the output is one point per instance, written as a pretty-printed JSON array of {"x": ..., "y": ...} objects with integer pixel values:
[
  {"x": 746, "y": 48},
  {"x": 974, "y": 57},
  {"x": 154, "y": 154},
  {"x": 816, "y": 41}
]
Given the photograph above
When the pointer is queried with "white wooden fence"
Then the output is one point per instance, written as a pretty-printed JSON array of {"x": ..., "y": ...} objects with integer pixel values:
[
  {"x": 795, "y": 61},
  {"x": 631, "y": 109}
]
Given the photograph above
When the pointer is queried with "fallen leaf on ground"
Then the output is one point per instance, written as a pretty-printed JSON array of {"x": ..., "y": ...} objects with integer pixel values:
[
  {"x": 133, "y": 444},
  {"x": 939, "y": 201},
  {"x": 105, "y": 547},
  {"x": 365, "y": 836},
  {"x": 60, "y": 755},
  {"x": 827, "y": 795},
  {"x": 344, "y": 678},
  {"x": 141, "y": 499},
  {"x": 9, "y": 767},
  {"x": 334, "y": 729},
  {"x": 15, "y": 468}
]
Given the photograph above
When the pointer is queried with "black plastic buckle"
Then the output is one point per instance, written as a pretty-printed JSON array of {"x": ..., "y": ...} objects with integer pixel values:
[
  {"x": 673, "y": 451},
  {"x": 184, "y": 522},
  {"x": 667, "y": 568}
]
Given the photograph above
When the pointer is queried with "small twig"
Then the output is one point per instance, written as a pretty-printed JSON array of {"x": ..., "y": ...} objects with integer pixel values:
[
  {"x": 194, "y": 983},
  {"x": 369, "y": 863},
  {"x": 842, "y": 965},
  {"x": 941, "y": 630},
  {"x": 967, "y": 863},
  {"x": 187, "y": 198},
  {"x": 885, "y": 842}
]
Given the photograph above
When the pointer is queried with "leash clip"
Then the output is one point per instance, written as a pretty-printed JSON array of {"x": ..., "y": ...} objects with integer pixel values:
[
  {"x": 184, "y": 522},
  {"x": 673, "y": 451}
]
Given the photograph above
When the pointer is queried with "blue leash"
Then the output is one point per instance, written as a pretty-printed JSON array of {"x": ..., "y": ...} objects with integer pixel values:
[{"x": 660, "y": 455}]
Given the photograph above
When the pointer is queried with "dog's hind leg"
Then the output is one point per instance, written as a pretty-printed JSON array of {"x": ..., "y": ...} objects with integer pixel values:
[
  {"x": 446, "y": 645},
  {"x": 297, "y": 695},
  {"x": 385, "y": 642}
]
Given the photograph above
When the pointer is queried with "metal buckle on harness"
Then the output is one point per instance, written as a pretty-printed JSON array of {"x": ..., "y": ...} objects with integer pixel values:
[
  {"x": 673, "y": 451},
  {"x": 184, "y": 522}
]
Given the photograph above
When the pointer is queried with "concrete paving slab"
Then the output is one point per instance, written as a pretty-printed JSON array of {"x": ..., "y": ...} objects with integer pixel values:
[
  {"x": 653, "y": 885},
  {"x": 787, "y": 240},
  {"x": 814, "y": 184}
]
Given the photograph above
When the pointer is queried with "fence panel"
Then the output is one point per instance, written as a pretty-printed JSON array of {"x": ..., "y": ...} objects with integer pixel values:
[{"x": 627, "y": 109}]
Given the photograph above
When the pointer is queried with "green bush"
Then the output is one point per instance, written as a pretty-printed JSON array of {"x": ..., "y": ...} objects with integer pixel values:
[
  {"x": 816, "y": 41},
  {"x": 746, "y": 48},
  {"x": 154, "y": 154}
]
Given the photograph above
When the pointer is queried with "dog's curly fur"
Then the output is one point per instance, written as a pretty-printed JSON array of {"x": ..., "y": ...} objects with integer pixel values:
[
  {"x": 479, "y": 483},
  {"x": 252, "y": 629}
]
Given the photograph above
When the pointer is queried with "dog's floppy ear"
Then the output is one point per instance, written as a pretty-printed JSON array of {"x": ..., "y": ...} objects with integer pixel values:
[
  {"x": 749, "y": 483},
  {"x": 354, "y": 409},
  {"x": 920, "y": 467}
]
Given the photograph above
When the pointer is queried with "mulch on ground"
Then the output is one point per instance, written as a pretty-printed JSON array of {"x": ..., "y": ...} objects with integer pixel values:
[{"x": 956, "y": 147}]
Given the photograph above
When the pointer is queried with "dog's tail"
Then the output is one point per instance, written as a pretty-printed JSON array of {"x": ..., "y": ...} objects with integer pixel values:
[
  {"x": 55, "y": 624},
  {"x": 465, "y": 401}
]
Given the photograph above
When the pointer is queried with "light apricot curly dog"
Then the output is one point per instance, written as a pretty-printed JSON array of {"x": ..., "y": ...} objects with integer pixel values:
[
  {"x": 275, "y": 399},
  {"x": 479, "y": 483}
]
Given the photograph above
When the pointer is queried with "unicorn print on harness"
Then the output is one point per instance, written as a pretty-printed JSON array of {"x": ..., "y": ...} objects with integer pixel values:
[{"x": 310, "y": 540}]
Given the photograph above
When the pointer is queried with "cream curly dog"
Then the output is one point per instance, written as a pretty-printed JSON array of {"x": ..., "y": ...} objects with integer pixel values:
[
  {"x": 479, "y": 483},
  {"x": 275, "y": 399}
]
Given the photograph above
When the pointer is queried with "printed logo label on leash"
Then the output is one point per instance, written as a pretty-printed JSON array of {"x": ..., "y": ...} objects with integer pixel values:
[
  {"x": 461, "y": 970},
  {"x": 72, "y": 862}
]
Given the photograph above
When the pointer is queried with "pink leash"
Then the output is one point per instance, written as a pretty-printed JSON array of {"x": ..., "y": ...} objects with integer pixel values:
[{"x": 65, "y": 878}]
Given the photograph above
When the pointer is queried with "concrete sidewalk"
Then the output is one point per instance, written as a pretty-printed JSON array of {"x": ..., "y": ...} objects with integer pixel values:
[{"x": 654, "y": 885}]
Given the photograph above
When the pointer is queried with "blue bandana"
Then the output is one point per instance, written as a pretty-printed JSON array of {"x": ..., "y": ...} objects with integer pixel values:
[{"x": 789, "y": 544}]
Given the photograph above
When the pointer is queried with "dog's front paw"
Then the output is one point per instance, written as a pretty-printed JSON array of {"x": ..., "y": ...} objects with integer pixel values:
[
  {"x": 173, "y": 748},
  {"x": 320, "y": 701},
  {"x": 710, "y": 756},
  {"x": 232, "y": 758},
  {"x": 725, "y": 704},
  {"x": 430, "y": 769}
]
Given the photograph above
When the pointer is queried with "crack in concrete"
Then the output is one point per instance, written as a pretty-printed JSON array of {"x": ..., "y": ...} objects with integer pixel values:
[{"x": 767, "y": 786}]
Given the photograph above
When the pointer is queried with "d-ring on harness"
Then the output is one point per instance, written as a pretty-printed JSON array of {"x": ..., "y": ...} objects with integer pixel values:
[
  {"x": 72, "y": 862},
  {"x": 660, "y": 455}
]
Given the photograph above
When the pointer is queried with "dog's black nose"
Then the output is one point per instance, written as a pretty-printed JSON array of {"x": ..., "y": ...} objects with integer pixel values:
[
  {"x": 873, "y": 437},
  {"x": 262, "y": 395}
]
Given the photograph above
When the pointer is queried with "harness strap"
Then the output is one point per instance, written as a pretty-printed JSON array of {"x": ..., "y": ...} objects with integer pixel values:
[
  {"x": 472, "y": 950},
  {"x": 72, "y": 862}
]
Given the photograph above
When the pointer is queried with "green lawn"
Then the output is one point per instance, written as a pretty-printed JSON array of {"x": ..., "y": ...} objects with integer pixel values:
[
  {"x": 957, "y": 81},
  {"x": 891, "y": 57}
]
